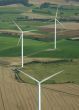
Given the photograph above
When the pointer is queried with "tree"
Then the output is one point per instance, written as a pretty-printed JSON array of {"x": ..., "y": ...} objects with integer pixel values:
[{"x": 45, "y": 5}]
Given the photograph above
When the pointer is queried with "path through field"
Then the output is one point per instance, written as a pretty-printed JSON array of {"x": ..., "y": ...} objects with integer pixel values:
[{"x": 19, "y": 96}]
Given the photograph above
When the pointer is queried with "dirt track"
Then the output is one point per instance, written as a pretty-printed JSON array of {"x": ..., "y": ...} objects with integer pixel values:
[{"x": 19, "y": 96}]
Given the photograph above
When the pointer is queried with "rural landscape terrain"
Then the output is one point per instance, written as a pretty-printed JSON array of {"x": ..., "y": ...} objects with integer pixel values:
[{"x": 36, "y": 18}]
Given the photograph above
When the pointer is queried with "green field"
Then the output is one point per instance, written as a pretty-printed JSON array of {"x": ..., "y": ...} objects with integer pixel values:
[
  {"x": 65, "y": 48},
  {"x": 9, "y": 48},
  {"x": 42, "y": 70}
]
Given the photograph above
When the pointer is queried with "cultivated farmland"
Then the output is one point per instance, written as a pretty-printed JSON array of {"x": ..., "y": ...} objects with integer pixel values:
[
  {"x": 20, "y": 96},
  {"x": 37, "y": 48}
]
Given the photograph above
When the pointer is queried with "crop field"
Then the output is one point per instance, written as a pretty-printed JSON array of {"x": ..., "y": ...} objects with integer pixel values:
[
  {"x": 65, "y": 49},
  {"x": 36, "y": 48},
  {"x": 8, "y": 46}
]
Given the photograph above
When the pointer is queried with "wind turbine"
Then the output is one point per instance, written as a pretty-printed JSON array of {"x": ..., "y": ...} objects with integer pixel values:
[
  {"x": 39, "y": 84},
  {"x": 22, "y": 42},
  {"x": 56, "y": 20}
]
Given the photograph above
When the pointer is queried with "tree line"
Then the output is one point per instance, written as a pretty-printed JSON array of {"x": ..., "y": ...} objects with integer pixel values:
[{"x": 8, "y": 2}]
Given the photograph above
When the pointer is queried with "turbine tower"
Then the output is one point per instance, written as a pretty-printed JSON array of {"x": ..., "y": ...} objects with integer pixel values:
[
  {"x": 22, "y": 42},
  {"x": 56, "y": 20},
  {"x": 56, "y": 29}
]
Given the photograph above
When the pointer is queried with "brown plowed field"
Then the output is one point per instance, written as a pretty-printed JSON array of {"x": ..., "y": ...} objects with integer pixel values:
[{"x": 20, "y": 96}]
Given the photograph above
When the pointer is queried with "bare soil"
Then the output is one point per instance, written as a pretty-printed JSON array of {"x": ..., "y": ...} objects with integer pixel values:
[
  {"x": 13, "y": 61},
  {"x": 67, "y": 25}
]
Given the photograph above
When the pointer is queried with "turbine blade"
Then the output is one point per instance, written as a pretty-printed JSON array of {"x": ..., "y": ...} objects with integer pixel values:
[
  {"x": 31, "y": 77},
  {"x": 51, "y": 76},
  {"x": 19, "y": 40},
  {"x": 61, "y": 24},
  {"x": 17, "y": 26}
]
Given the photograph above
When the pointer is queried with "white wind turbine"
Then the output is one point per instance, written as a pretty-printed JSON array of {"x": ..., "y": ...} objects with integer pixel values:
[
  {"x": 22, "y": 42},
  {"x": 39, "y": 84},
  {"x": 56, "y": 20}
]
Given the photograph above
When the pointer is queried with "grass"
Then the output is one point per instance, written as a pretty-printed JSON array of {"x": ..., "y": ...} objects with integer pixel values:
[
  {"x": 65, "y": 49},
  {"x": 33, "y": 48},
  {"x": 41, "y": 71},
  {"x": 8, "y": 46}
]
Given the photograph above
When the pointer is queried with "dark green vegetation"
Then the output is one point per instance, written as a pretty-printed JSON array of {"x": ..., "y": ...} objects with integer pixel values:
[
  {"x": 42, "y": 70},
  {"x": 8, "y": 2}
]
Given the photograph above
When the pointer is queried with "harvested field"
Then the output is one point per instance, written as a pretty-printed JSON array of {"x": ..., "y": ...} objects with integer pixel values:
[
  {"x": 61, "y": 100},
  {"x": 20, "y": 96},
  {"x": 60, "y": 32},
  {"x": 36, "y": 15},
  {"x": 69, "y": 30},
  {"x": 9, "y": 61},
  {"x": 14, "y": 96},
  {"x": 14, "y": 32},
  {"x": 67, "y": 25}
]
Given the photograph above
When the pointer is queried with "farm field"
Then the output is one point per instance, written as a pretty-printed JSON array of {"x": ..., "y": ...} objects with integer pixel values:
[
  {"x": 67, "y": 25},
  {"x": 36, "y": 48},
  {"x": 23, "y": 14},
  {"x": 10, "y": 46},
  {"x": 41, "y": 70},
  {"x": 19, "y": 96}
]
